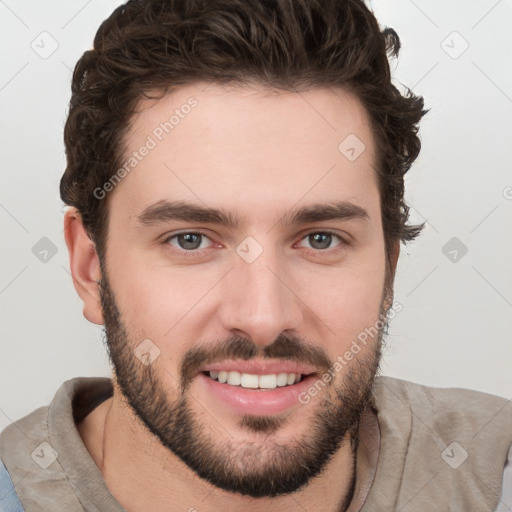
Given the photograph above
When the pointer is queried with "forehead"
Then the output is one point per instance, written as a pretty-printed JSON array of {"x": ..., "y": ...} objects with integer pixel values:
[{"x": 250, "y": 147}]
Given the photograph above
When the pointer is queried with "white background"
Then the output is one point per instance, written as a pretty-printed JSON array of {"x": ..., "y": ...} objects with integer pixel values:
[{"x": 455, "y": 328}]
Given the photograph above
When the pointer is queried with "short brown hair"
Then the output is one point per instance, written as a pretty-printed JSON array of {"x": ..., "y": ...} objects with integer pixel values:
[{"x": 285, "y": 44}]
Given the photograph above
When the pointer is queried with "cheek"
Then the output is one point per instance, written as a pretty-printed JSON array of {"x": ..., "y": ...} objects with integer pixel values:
[
  {"x": 158, "y": 301},
  {"x": 346, "y": 299}
]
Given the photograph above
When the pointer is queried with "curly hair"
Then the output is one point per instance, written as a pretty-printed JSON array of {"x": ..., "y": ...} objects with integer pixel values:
[{"x": 159, "y": 45}]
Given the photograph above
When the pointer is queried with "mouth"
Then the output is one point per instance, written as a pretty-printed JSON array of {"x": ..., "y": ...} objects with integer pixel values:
[
  {"x": 256, "y": 387},
  {"x": 254, "y": 381}
]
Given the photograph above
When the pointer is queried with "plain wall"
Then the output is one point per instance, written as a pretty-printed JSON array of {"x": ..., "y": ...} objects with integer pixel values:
[{"x": 455, "y": 327}]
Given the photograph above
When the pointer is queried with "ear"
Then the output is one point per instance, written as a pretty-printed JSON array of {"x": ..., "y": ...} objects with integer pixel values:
[
  {"x": 393, "y": 258},
  {"x": 390, "y": 275},
  {"x": 84, "y": 264}
]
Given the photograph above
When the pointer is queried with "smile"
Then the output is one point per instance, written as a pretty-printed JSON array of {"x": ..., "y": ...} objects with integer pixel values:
[{"x": 252, "y": 381}]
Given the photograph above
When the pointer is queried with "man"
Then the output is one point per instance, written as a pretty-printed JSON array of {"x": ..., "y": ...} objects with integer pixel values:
[{"x": 235, "y": 176}]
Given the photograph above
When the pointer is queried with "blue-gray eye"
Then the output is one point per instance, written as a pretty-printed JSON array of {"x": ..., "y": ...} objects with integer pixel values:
[
  {"x": 188, "y": 241},
  {"x": 321, "y": 240}
]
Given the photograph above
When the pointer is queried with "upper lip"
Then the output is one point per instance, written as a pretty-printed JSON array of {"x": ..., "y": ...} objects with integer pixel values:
[{"x": 261, "y": 367}]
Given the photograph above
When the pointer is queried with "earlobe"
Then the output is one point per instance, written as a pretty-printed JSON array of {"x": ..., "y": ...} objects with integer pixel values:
[
  {"x": 84, "y": 265},
  {"x": 395, "y": 253},
  {"x": 392, "y": 261}
]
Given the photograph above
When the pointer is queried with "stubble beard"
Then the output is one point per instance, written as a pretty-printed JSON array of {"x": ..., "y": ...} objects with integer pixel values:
[{"x": 262, "y": 468}]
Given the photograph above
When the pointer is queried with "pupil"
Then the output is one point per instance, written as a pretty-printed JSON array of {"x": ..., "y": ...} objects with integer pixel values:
[{"x": 323, "y": 239}]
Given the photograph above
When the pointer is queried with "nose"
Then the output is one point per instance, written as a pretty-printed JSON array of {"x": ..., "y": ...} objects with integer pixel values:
[{"x": 258, "y": 301}]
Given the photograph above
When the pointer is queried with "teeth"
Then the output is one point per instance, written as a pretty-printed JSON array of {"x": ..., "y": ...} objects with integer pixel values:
[
  {"x": 282, "y": 379},
  {"x": 247, "y": 380},
  {"x": 268, "y": 381},
  {"x": 234, "y": 378}
]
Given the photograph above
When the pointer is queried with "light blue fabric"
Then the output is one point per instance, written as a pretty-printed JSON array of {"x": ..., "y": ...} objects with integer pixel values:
[{"x": 9, "y": 501}]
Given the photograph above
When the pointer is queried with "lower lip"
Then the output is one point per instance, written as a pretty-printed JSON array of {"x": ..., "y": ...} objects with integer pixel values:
[{"x": 256, "y": 401}]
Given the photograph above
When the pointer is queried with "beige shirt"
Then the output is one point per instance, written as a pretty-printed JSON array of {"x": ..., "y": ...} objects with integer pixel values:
[{"x": 422, "y": 449}]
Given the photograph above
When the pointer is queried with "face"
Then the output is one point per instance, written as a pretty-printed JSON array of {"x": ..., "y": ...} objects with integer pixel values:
[{"x": 246, "y": 244}]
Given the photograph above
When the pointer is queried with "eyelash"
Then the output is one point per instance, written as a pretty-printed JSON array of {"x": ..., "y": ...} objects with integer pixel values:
[{"x": 197, "y": 252}]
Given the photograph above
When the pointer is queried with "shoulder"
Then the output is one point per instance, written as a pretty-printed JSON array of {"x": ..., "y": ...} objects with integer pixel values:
[
  {"x": 39, "y": 450},
  {"x": 72, "y": 402},
  {"x": 451, "y": 406},
  {"x": 440, "y": 446},
  {"x": 451, "y": 422},
  {"x": 19, "y": 443},
  {"x": 21, "y": 434}
]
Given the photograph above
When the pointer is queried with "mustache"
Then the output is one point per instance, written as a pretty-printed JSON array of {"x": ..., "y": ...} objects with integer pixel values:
[{"x": 289, "y": 348}]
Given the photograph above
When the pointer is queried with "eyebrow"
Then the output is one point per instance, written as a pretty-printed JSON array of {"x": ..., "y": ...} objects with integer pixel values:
[{"x": 165, "y": 211}]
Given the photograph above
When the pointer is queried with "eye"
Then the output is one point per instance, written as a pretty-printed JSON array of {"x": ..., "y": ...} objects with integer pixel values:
[
  {"x": 188, "y": 241},
  {"x": 321, "y": 240}
]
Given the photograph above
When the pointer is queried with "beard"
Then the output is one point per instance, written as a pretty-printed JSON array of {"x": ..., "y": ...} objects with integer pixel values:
[{"x": 263, "y": 468}]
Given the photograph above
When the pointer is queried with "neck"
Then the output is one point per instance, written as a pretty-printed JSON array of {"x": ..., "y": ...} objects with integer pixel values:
[{"x": 120, "y": 445}]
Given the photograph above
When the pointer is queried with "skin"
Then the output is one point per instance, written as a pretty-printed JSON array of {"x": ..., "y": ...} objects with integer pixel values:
[{"x": 259, "y": 154}]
